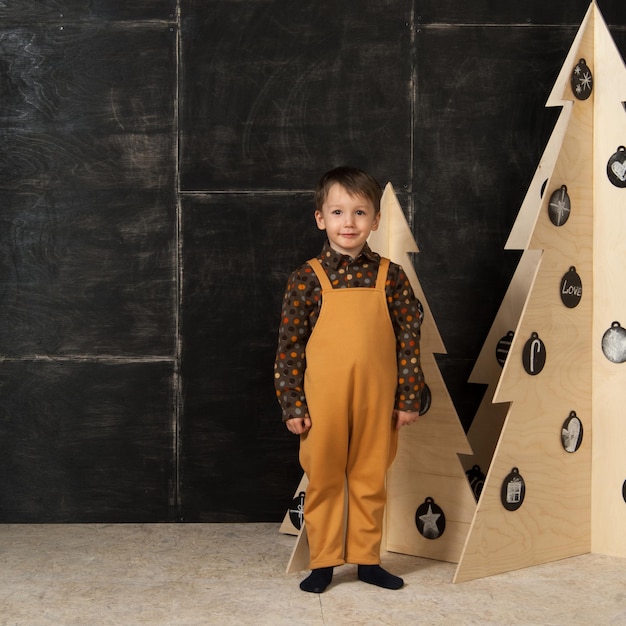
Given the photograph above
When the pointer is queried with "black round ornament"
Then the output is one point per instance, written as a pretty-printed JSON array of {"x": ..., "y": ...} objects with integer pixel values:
[
  {"x": 624, "y": 491},
  {"x": 476, "y": 479},
  {"x": 503, "y": 347},
  {"x": 559, "y": 206},
  {"x": 420, "y": 311},
  {"x": 513, "y": 491},
  {"x": 571, "y": 289},
  {"x": 430, "y": 519},
  {"x": 614, "y": 343},
  {"x": 425, "y": 400},
  {"x": 572, "y": 433},
  {"x": 534, "y": 355},
  {"x": 582, "y": 80},
  {"x": 296, "y": 510},
  {"x": 616, "y": 167}
]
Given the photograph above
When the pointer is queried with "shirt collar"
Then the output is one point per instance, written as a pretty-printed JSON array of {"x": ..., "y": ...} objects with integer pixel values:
[{"x": 333, "y": 259}]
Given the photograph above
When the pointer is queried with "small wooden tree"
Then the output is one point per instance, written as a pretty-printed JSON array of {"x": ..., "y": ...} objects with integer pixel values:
[{"x": 429, "y": 500}]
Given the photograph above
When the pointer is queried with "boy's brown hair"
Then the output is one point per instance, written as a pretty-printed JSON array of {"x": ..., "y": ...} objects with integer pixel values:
[{"x": 355, "y": 181}]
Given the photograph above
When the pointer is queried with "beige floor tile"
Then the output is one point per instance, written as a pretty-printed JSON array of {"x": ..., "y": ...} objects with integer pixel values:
[{"x": 229, "y": 574}]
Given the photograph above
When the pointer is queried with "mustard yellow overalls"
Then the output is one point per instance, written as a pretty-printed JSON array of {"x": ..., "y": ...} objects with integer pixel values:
[{"x": 350, "y": 385}]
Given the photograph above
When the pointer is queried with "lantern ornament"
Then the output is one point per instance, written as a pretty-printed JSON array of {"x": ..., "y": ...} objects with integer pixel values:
[{"x": 513, "y": 491}]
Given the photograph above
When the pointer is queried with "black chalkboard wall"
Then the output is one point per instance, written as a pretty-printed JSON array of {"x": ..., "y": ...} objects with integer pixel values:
[{"x": 155, "y": 191}]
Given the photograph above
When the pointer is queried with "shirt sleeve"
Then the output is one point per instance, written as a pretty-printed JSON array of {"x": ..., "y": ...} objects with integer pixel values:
[
  {"x": 293, "y": 335},
  {"x": 406, "y": 316}
]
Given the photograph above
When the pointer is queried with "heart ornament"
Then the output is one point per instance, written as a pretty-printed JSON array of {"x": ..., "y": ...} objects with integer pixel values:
[{"x": 619, "y": 169}]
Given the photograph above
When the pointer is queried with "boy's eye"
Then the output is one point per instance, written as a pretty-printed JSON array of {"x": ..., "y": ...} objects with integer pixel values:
[{"x": 336, "y": 212}]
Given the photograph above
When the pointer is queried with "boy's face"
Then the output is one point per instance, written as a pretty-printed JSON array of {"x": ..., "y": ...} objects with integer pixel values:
[{"x": 348, "y": 220}]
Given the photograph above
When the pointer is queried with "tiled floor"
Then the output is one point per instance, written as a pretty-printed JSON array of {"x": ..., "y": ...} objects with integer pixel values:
[{"x": 192, "y": 575}]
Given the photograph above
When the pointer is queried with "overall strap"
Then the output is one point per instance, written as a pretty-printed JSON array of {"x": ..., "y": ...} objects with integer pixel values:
[
  {"x": 320, "y": 273},
  {"x": 383, "y": 268}
]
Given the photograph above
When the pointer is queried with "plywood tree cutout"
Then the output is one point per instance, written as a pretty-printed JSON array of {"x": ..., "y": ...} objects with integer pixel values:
[
  {"x": 426, "y": 485},
  {"x": 553, "y": 490}
]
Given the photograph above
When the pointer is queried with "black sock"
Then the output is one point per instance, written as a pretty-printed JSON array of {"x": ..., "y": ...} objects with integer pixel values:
[
  {"x": 317, "y": 580},
  {"x": 376, "y": 575}
]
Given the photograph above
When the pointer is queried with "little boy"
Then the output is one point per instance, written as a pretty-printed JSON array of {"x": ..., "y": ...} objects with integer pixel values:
[{"x": 347, "y": 377}]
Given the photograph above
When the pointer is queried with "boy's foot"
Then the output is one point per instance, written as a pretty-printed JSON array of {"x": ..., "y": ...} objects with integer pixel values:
[
  {"x": 376, "y": 575},
  {"x": 318, "y": 580}
]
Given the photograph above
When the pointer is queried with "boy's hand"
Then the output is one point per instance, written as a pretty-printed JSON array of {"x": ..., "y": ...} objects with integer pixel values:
[
  {"x": 405, "y": 418},
  {"x": 298, "y": 425}
]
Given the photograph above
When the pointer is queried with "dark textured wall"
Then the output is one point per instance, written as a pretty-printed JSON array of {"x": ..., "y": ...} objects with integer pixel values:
[
  {"x": 155, "y": 192},
  {"x": 88, "y": 261}
]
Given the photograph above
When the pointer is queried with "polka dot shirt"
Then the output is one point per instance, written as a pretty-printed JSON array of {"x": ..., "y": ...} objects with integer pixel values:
[{"x": 301, "y": 308}]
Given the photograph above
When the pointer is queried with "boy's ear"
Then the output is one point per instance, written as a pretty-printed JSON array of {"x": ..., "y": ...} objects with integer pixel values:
[
  {"x": 376, "y": 221},
  {"x": 319, "y": 218}
]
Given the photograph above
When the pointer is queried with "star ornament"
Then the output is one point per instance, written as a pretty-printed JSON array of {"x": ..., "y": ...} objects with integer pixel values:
[
  {"x": 430, "y": 519},
  {"x": 585, "y": 81},
  {"x": 430, "y": 522}
]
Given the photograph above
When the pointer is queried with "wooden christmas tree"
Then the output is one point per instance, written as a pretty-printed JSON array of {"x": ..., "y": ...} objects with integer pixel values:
[
  {"x": 555, "y": 486},
  {"x": 429, "y": 501}
]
